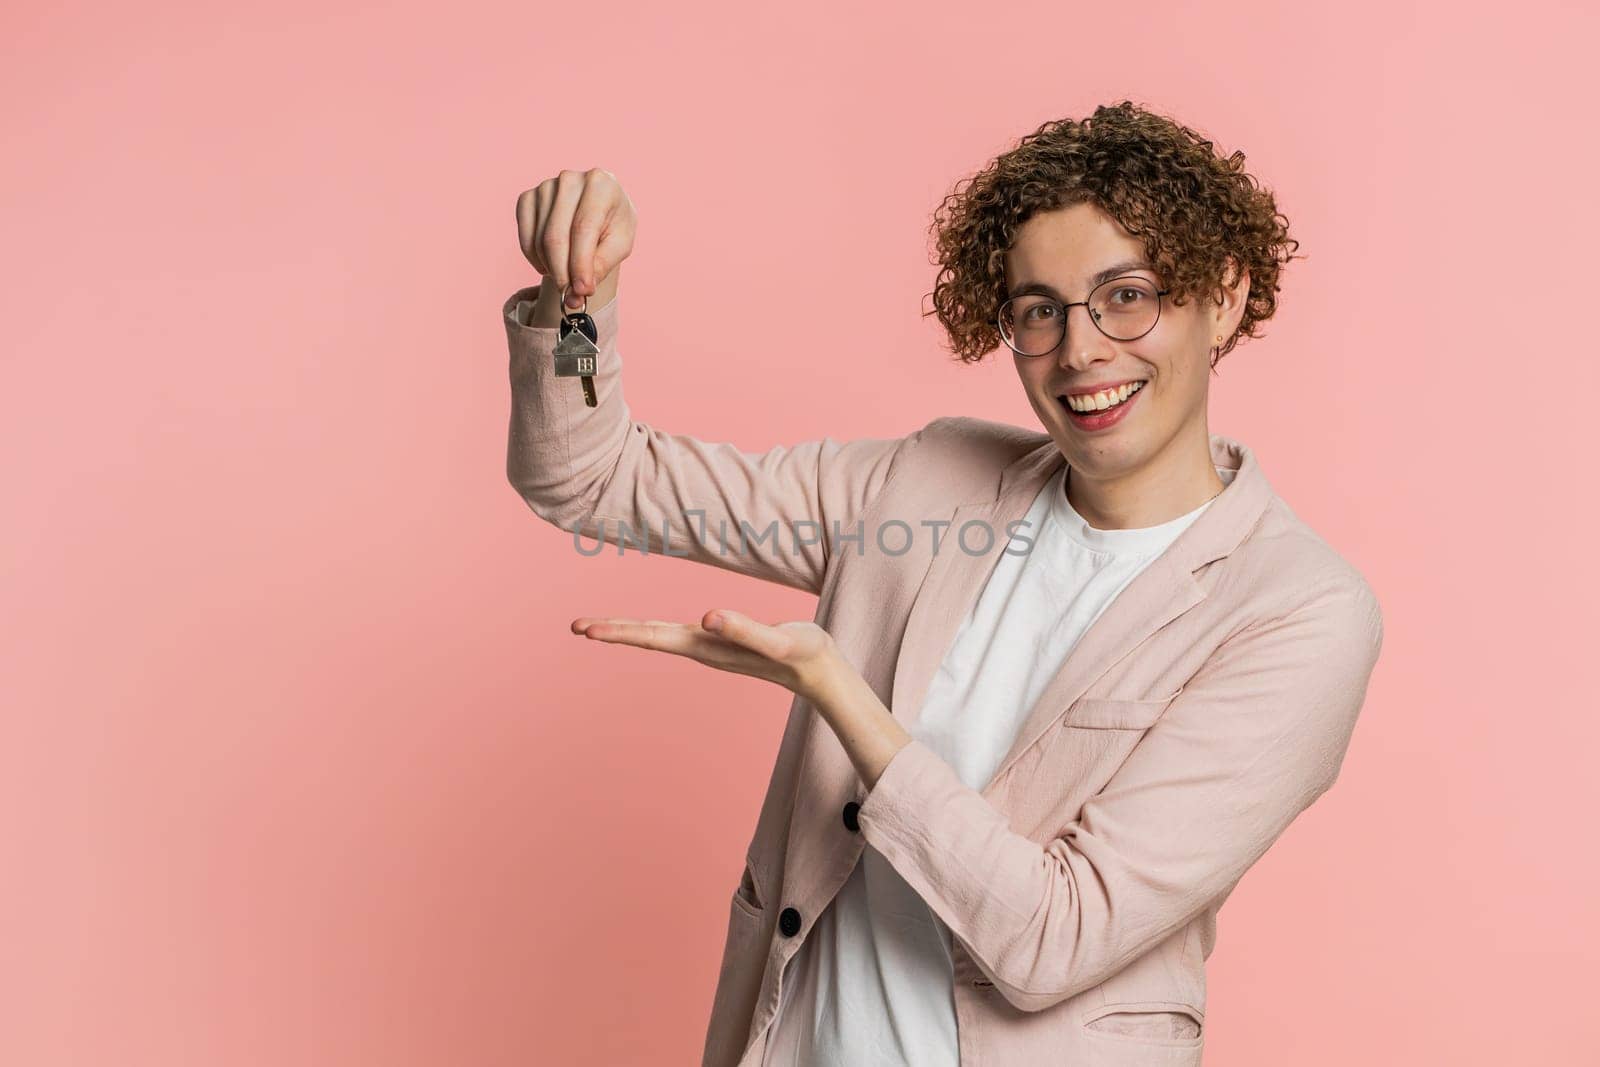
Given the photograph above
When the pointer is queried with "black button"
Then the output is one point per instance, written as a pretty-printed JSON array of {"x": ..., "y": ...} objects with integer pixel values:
[
  {"x": 850, "y": 823},
  {"x": 789, "y": 922}
]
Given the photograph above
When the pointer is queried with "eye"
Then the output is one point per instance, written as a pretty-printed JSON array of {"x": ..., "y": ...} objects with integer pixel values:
[
  {"x": 1035, "y": 313},
  {"x": 1134, "y": 293}
]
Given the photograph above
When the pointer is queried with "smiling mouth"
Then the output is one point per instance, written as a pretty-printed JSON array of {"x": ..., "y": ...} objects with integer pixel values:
[{"x": 1105, "y": 400}]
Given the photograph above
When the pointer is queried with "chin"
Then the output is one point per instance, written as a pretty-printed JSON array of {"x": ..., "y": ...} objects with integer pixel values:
[{"x": 1106, "y": 460}]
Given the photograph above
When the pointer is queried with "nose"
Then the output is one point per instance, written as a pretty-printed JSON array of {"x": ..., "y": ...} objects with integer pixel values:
[{"x": 1084, "y": 345}]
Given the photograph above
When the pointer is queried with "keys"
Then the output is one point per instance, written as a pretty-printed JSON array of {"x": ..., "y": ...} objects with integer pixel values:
[{"x": 577, "y": 348}]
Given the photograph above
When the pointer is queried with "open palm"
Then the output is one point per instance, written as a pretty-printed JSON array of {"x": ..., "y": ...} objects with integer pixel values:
[{"x": 795, "y": 655}]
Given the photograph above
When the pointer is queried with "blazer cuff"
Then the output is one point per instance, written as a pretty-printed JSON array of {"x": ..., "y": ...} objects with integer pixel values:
[{"x": 920, "y": 814}]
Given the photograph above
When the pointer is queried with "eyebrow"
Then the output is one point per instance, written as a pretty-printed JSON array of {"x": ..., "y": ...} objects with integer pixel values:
[{"x": 1116, "y": 270}]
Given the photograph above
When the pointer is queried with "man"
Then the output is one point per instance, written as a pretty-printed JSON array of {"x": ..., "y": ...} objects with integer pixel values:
[{"x": 1017, "y": 782}]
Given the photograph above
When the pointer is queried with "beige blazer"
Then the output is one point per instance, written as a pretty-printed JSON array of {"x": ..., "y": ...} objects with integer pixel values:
[{"x": 1209, "y": 704}]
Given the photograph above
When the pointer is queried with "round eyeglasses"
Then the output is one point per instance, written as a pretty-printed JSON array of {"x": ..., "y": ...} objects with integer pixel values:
[{"x": 1124, "y": 309}]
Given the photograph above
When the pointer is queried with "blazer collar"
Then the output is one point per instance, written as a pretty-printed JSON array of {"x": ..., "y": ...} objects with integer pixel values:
[
  {"x": 1162, "y": 591},
  {"x": 1212, "y": 536}
]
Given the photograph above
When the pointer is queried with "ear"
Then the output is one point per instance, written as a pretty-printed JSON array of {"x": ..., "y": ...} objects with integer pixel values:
[{"x": 1235, "y": 292}]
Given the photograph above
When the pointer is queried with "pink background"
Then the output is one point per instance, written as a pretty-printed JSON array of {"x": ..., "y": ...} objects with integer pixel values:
[{"x": 299, "y": 763}]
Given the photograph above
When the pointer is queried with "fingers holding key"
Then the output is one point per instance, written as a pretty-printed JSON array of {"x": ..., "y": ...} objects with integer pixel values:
[
  {"x": 576, "y": 228},
  {"x": 555, "y": 239}
]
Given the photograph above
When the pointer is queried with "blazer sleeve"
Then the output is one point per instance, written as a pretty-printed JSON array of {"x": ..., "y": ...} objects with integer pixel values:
[
  {"x": 1257, "y": 735},
  {"x": 600, "y": 473}
]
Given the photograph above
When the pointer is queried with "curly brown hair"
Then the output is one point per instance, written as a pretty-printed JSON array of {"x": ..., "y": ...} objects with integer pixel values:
[{"x": 1162, "y": 181}]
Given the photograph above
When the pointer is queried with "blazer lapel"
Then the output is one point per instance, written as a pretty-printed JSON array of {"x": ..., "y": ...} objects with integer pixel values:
[
  {"x": 954, "y": 579},
  {"x": 1164, "y": 590},
  {"x": 1160, "y": 593}
]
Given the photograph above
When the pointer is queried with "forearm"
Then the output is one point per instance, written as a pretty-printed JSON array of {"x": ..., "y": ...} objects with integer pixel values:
[
  {"x": 950, "y": 845},
  {"x": 603, "y": 474},
  {"x": 1012, "y": 903},
  {"x": 560, "y": 452},
  {"x": 869, "y": 733},
  {"x": 1255, "y": 736}
]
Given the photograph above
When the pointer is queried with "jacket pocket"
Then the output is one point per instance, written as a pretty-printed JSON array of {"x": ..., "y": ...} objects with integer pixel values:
[
  {"x": 1103, "y": 713},
  {"x": 744, "y": 960},
  {"x": 747, "y": 897},
  {"x": 1171, "y": 1024},
  {"x": 1094, "y": 737}
]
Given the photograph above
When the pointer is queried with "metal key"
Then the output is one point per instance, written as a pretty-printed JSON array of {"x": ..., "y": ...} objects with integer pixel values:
[{"x": 578, "y": 348}]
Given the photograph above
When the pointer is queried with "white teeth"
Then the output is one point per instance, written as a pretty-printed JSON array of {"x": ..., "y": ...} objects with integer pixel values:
[{"x": 1104, "y": 399}]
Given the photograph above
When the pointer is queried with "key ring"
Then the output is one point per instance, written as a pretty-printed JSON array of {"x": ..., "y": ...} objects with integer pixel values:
[
  {"x": 565, "y": 314},
  {"x": 577, "y": 347}
]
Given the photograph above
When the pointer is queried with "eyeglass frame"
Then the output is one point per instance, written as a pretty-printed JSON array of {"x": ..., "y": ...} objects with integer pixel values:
[{"x": 1066, "y": 310}]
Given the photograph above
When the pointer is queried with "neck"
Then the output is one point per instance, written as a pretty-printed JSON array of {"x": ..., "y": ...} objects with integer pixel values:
[{"x": 1173, "y": 483}]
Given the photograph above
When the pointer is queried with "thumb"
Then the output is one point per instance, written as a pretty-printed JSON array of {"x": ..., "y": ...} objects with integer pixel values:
[{"x": 609, "y": 254}]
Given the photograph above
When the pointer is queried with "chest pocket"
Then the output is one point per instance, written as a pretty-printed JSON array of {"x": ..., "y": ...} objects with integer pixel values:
[
  {"x": 1090, "y": 743},
  {"x": 1103, "y": 713}
]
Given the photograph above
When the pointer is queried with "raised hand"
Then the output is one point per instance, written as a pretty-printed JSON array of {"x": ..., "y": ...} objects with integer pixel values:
[
  {"x": 576, "y": 229},
  {"x": 800, "y": 656}
]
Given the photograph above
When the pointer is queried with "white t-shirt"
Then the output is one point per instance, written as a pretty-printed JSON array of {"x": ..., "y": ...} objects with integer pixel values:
[{"x": 873, "y": 982}]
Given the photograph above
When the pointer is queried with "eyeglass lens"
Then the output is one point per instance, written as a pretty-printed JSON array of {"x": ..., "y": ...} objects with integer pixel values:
[{"x": 1123, "y": 308}]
